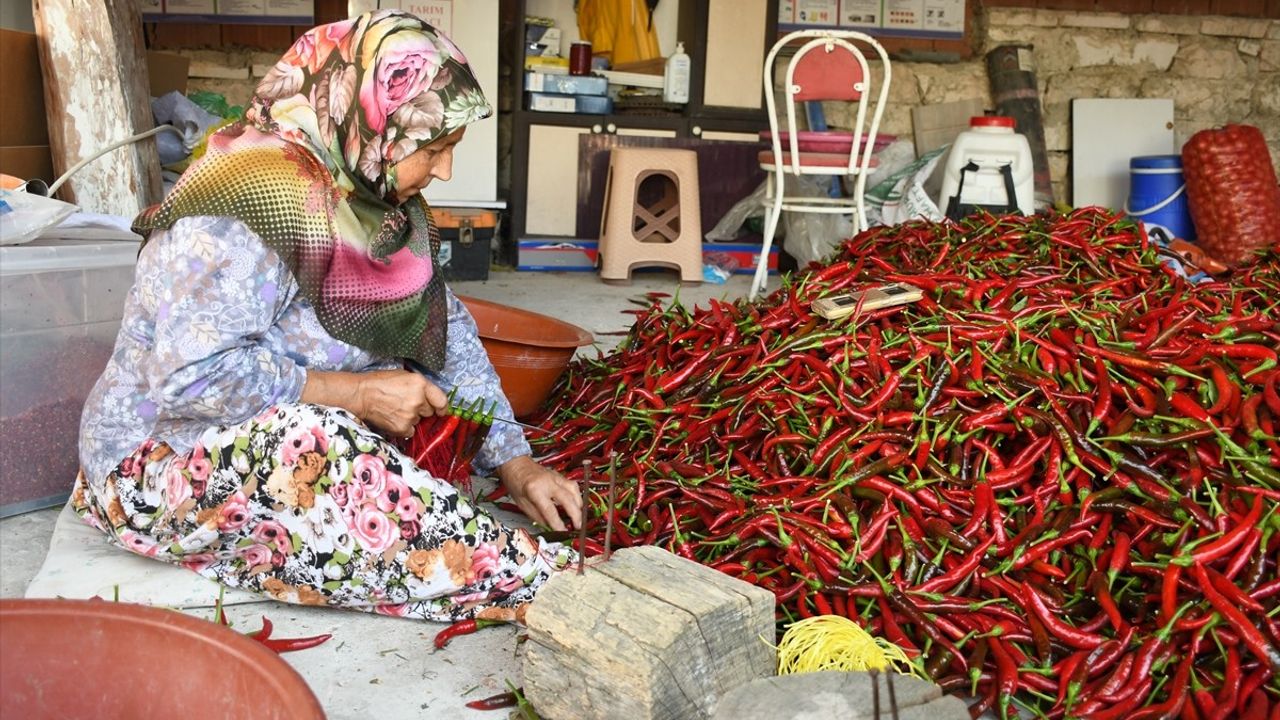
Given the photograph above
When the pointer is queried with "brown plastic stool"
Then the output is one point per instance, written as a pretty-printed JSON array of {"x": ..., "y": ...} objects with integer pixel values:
[{"x": 652, "y": 215}]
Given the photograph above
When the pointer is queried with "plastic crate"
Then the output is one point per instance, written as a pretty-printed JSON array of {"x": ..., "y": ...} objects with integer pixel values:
[{"x": 61, "y": 303}]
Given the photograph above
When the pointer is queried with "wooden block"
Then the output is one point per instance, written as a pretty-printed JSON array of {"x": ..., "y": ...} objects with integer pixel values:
[
  {"x": 96, "y": 92},
  {"x": 849, "y": 695},
  {"x": 645, "y": 635}
]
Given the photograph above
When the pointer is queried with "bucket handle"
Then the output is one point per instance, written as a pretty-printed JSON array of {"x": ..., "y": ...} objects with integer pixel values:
[{"x": 1158, "y": 206}]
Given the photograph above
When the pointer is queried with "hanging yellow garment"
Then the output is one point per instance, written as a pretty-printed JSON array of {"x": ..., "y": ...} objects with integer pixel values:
[{"x": 618, "y": 29}]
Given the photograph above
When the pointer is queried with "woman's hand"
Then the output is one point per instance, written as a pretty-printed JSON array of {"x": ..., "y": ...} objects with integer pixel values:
[
  {"x": 392, "y": 401},
  {"x": 541, "y": 493}
]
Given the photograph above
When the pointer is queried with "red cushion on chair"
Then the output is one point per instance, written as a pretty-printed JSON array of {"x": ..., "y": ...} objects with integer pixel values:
[
  {"x": 808, "y": 159},
  {"x": 823, "y": 75}
]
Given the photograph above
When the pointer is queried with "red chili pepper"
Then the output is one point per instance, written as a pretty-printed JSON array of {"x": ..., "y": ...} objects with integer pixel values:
[
  {"x": 284, "y": 645},
  {"x": 495, "y": 702},
  {"x": 1102, "y": 593},
  {"x": 1249, "y": 633},
  {"x": 955, "y": 575},
  {"x": 1223, "y": 545},
  {"x": 1064, "y": 632},
  {"x": 1269, "y": 393},
  {"x": 461, "y": 627},
  {"x": 1119, "y": 556}
]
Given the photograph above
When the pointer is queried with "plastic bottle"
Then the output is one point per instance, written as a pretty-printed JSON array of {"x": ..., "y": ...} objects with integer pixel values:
[
  {"x": 675, "y": 78},
  {"x": 992, "y": 145}
]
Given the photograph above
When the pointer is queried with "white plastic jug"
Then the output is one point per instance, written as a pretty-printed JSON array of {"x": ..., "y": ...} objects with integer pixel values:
[
  {"x": 989, "y": 167},
  {"x": 675, "y": 80}
]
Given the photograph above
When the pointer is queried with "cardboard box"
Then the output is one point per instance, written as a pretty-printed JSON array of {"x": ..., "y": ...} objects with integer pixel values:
[
  {"x": 168, "y": 72},
  {"x": 24, "y": 128},
  {"x": 541, "y": 40},
  {"x": 582, "y": 255},
  {"x": 23, "y": 120},
  {"x": 546, "y": 64},
  {"x": 582, "y": 104},
  {"x": 572, "y": 255},
  {"x": 566, "y": 84},
  {"x": 27, "y": 162},
  {"x": 744, "y": 255}
]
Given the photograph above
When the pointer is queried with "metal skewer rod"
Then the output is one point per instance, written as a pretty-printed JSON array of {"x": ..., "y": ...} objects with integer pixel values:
[
  {"x": 582, "y": 526},
  {"x": 613, "y": 482}
]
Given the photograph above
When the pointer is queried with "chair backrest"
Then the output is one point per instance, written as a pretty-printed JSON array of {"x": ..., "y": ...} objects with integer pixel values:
[
  {"x": 833, "y": 74},
  {"x": 828, "y": 65}
]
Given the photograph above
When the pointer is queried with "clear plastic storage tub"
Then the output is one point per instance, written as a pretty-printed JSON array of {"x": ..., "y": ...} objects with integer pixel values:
[{"x": 60, "y": 307}]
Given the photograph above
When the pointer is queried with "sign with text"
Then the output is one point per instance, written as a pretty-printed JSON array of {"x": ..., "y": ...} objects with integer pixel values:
[
  {"x": 437, "y": 12},
  {"x": 901, "y": 18},
  {"x": 268, "y": 12}
]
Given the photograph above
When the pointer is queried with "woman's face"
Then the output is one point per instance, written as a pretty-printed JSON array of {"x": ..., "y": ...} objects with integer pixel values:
[{"x": 430, "y": 162}]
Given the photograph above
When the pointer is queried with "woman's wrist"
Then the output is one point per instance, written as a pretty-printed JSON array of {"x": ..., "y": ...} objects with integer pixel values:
[
  {"x": 515, "y": 470},
  {"x": 336, "y": 389}
]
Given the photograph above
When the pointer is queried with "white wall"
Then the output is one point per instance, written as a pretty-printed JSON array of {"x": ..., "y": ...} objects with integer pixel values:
[
  {"x": 16, "y": 15},
  {"x": 475, "y": 166},
  {"x": 665, "y": 19}
]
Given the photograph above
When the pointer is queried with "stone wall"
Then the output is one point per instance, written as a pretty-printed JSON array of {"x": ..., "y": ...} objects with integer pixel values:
[
  {"x": 234, "y": 73},
  {"x": 1217, "y": 70}
]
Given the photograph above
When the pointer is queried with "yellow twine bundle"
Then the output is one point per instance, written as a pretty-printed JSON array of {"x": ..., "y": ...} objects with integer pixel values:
[{"x": 832, "y": 642}]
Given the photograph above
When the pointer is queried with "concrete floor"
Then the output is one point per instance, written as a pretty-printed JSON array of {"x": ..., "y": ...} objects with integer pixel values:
[{"x": 385, "y": 667}]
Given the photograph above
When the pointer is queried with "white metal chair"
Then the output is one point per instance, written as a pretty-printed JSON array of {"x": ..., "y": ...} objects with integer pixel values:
[{"x": 827, "y": 65}]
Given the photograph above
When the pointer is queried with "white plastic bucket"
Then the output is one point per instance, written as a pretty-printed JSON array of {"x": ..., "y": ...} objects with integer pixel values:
[{"x": 983, "y": 162}]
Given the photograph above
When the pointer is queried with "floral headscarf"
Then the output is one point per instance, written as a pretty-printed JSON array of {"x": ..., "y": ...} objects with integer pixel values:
[{"x": 310, "y": 170}]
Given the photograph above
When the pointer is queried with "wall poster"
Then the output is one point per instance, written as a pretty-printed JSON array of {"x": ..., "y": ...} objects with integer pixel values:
[{"x": 942, "y": 19}]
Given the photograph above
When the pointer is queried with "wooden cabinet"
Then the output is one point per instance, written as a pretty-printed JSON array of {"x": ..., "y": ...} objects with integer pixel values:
[{"x": 546, "y": 174}]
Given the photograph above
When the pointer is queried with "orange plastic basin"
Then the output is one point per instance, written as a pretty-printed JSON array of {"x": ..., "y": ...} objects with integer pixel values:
[
  {"x": 529, "y": 350},
  {"x": 97, "y": 659}
]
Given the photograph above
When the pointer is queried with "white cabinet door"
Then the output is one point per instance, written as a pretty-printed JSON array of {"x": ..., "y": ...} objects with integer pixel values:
[
  {"x": 734, "y": 72},
  {"x": 552, "y": 197},
  {"x": 472, "y": 25},
  {"x": 473, "y": 29}
]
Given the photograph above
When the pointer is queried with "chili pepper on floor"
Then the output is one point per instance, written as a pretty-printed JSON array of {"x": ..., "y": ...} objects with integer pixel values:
[
  {"x": 284, "y": 645},
  {"x": 495, "y": 702},
  {"x": 461, "y": 627}
]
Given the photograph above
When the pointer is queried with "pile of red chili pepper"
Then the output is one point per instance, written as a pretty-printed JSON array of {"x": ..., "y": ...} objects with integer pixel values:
[{"x": 1056, "y": 478}]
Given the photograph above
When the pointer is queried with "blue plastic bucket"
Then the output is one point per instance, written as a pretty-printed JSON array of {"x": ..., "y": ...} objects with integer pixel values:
[{"x": 1158, "y": 195}]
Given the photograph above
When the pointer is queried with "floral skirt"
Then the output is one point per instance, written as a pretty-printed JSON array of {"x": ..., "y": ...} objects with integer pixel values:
[{"x": 306, "y": 504}]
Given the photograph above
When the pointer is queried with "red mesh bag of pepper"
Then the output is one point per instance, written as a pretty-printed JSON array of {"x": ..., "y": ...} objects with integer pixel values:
[{"x": 1232, "y": 192}]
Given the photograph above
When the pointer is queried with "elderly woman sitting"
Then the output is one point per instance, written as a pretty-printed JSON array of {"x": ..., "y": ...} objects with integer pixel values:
[{"x": 241, "y": 428}]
